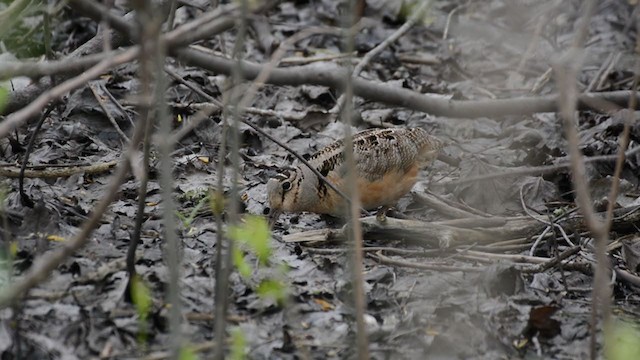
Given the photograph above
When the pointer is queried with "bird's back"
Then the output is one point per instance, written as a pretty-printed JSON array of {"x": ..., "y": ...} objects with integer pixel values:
[
  {"x": 378, "y": 151},
  {"x": 386, "y": 162}
]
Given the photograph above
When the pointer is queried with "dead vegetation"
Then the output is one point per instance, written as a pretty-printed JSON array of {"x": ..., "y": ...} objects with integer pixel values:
[{"x": 133, "y": 152}]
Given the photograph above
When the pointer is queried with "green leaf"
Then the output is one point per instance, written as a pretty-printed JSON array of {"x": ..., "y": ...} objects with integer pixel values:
[
  {"x": 274, "y": 289},
  {"x": 13, "y": 250},
  {"x": 4, "y": 97},
  {"x": 216, "y": 202},
  {"x": 188, "y": 220},
  {"x": 411, "y": 8},
  {"x": 238, "y": 344},
  {"x": 182, "y": 218},
  {"x": 238, "y": 260},
  {"x": 186, "y": 353},
  {"x": 622, "y": 341},
  {"x": 141, "y": 297},
  {"x": 254, "y": 232}
]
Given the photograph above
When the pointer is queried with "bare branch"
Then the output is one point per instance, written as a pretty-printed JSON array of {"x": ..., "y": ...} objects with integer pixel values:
[
  {"x": 566, "y": 72},
  {"x": 333, "y": 76},
  {"x": 17, "y": 118}
]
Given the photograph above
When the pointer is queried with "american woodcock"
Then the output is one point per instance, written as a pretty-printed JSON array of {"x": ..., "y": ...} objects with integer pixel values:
[{"x": 387, "y": 163}]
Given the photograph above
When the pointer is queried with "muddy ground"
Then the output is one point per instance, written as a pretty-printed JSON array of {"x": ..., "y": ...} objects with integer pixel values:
[{"x": 459, "y": 300}]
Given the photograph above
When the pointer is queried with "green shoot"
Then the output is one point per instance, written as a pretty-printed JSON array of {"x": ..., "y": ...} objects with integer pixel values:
[
  {"x": 254, "y": 233},
  {"x": 274, "y": 289},
  {"x": 141, "y": 297},
  {"x": 186, "y": 353},
  {"x": 622, "y": 341},
  {"x": 187, "y": 221},
  {"x": 238, "y": 260},
  {"x": 4, "y": 96},
  {"x": 238, "y": 345}
]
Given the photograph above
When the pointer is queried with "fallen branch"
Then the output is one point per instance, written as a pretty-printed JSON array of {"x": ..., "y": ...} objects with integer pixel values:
[
  {"x": 450, "y": 233},
  {"x": 430, "y": 234},
  {"x": 333, "y": 76},
  {"x": 441, "y": 207},
  {"x": 58, "y": 172},
  {"x": 426, "y": 265}
]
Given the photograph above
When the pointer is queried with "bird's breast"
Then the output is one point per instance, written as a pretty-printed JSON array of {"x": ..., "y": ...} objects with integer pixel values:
[{"x": 388, "y": 189}]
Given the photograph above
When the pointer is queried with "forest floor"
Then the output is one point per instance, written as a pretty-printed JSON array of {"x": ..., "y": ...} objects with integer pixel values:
[{"x": 492, "y": 297}]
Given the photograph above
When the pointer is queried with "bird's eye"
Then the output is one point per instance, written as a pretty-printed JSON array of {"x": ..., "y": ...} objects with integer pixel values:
[{"x": 286, "y": 186}]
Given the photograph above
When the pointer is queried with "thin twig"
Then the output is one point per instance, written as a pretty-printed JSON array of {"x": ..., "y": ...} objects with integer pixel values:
[
  {"x": 366, "y": 59},
  {"x": 624, "y": 143},
  {"x": 264, "y": 75},
  {"x": 220, "y": 293},
  {"x": 143, "y": 178},
  {"x": 442, "y": 207},
  {"x": 20, "y": 116},
  {"x": 533, "y": 248},
  {"x": 566, "y": 72},
  {"x": 541, "y": 170},
  {"x": 489, "y": 257},
  {"x": 558, "y": 259},
  {"x": 418, "y": 15},
  {"x": 94, "y": 90},
  {"x": 447, "y": 25},
  {"x": 550, "y": 225},
  {"x": 24, "y": 198},
  {"x": 213, "y": 107}
]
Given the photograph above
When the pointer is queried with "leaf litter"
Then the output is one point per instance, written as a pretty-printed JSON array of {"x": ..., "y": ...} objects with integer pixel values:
[{"x": 498, "y": 312}]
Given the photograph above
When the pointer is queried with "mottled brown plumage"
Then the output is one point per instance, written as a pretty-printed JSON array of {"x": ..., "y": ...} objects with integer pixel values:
[{"x": 387, "y": 163}]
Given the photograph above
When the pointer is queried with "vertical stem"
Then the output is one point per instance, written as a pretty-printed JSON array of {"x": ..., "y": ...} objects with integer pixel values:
[
  {"x": 355, "y": 234},
  {"x": 173, "y": 5},
  {"x": 152, "y": 57},
  {"x": 142, "y": 199},
  {"x": 46, "y": 24},
  {"x": 233, "y": 214},
  {"x": 221, "y": 277},
  {"x": 172, "y": 247},
  {"x": 623, "y": 144},
  {"x": 567, "y": 71}
]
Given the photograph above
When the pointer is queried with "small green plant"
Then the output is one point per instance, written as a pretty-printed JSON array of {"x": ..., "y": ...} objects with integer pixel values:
[
  {"x": 9, "y": 251},
  {"x": 409, "y": 8},
  {"x": 4, "y": 96},
  {"x": 186, "y": 353},
  {"x": 141, "y": 297},
  {"x": 21, "y": 27},
  {"x": 254, "y": 233},
  {"x": 216, "y": 202},
  {"x": 274, "y": 289},
  {"x": 238, "y": 344},
  {"x": 187, "y": 220},
  {"x": 253, "y": 236},
  {"x": 622, "y": 341}
]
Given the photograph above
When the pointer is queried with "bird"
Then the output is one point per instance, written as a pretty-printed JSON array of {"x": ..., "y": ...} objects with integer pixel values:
[{"x": 386, "y": 160}]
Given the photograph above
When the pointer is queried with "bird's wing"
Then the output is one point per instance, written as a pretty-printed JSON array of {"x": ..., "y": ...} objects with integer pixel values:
[{"x": 377, "y": 152}]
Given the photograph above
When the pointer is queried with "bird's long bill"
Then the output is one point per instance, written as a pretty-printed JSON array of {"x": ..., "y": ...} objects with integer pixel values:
[{"x": 273, "y": 217}]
